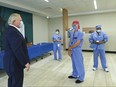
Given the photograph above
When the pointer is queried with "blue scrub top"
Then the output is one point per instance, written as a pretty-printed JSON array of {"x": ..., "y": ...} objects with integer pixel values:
[
  {"x": 56, "y": 37},
  {"x": 75, "y": 36},
  {"x": 95, "y": 37}
]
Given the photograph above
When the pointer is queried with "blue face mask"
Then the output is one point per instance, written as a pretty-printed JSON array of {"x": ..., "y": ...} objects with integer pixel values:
[{"x": 74, "y": 27}]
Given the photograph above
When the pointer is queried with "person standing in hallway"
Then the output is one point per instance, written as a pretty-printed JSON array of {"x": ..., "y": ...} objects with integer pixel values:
[
  {"x": 75, "y": 52},
  {"x": 16, "y": 55},
  {"x": 57, "y": 39},
  {"x": 98, "y": 40}
]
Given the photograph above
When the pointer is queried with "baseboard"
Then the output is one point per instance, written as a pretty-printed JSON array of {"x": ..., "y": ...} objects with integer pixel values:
[
  {"x": 105, "y": 51},
  {"x": 92, "y": 51},
  {"x": 110, "y": 51}
]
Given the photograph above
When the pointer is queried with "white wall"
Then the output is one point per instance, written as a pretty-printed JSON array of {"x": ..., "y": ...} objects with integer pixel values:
[
  {"x": 54, "y": 23},
  {"x": 44, "y": 29},
  {"x": 108, "y": 26},
  {"x": 107, "y": 20},
  {"x": 40, "y": 29}
]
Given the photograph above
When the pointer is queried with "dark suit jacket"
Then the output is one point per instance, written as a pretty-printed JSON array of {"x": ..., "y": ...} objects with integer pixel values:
[{"x": 16, "y": 54}]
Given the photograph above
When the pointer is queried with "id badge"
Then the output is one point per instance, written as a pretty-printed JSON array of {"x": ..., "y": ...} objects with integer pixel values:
[{"x": 58, "y": 45}]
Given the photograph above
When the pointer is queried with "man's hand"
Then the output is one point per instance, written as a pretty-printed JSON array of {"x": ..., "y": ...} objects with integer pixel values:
[
  {"x": 54, "y": 40},
  {"x": 69, "y": 51},
  {"x": 27, "y": 66},
  {"x": 101, "y": 42},
  {"x": 59, "y": 40}
]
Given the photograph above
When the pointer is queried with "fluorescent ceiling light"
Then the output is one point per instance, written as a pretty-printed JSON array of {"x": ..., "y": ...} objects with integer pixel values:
[
  {"x": 47, "y": 17},
  {"x": 61, "y": 9},
  {"x": 46, "y": 0},
  {"x": 95, "y": 4}
]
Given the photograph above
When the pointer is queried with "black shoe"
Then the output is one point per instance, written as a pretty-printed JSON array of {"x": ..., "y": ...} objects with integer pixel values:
[
  {"x": 78, "y": 81},
  {"x": 71, "y": 77}
]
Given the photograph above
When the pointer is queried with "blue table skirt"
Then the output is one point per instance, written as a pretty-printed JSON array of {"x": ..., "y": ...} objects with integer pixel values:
[{"x": 33, "y": 51}]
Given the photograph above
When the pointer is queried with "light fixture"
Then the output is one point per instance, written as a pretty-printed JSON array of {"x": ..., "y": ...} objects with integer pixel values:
[
  {"x": 61, "y": 9},
  {"x": 95, "y": 4},
  {"x": 46, "y": 0},
  {"x": 47, "y": 17}
]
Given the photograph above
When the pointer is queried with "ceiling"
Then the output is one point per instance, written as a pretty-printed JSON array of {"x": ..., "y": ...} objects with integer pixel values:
[{"x": 52, "y": 8}]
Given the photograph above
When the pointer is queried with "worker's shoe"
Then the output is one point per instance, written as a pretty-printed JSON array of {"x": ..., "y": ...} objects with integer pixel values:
[
  {"x": 106, "y": 70},
  {"x": 78, "y": 81},
  {"x": 71, "y": 77},
  {"x": 55, "y": 59},
  {"x": 59, "y": 60},
  {"x": 94, "y": 69}
]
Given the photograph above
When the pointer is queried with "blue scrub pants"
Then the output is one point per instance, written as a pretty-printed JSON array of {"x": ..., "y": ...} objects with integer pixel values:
[
  {"x": 77, "y": 64},
  {"x": 55, "y": 49},
  {"x": 100, "y": 52}
]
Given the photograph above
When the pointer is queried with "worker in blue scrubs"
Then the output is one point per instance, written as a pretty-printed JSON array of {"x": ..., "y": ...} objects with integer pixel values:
[
  {"x": 75, "y": 52},
  {"x": 98, "y": 40},
  {"x": 57, "y": 39}
]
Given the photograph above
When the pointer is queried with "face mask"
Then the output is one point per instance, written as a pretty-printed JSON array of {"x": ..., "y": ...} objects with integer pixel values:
[
  {"x": 22, "y": 30},
  {"x": 98, "y": 30},
  {"x": 21, "y": 24},
  {"x": 74, "y": 27},
  {"x": 57, "y": 32}
]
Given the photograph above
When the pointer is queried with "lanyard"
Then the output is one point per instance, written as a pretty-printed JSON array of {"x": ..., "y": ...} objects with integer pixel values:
[
  {"x": 73, "y": 35},
  {"x": 73, "y": 38}
]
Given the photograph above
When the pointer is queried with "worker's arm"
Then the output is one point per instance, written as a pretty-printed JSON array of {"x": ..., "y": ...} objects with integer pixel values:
[
  {"x": 74, "y": 45},
  {"x": 80, "y": 37}
]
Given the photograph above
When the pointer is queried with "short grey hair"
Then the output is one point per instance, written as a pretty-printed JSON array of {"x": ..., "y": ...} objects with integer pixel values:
[{"x": 13, "y": 17}]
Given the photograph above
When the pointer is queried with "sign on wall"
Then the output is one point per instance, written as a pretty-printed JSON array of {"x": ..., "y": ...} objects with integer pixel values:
[{"x": 88, "y": 30}]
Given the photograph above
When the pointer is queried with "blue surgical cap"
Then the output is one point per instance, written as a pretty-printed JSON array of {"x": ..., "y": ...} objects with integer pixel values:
[{"x": 98, "y": 26}]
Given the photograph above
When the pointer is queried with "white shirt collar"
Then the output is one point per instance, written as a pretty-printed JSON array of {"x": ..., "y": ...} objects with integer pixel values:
[{"x": 15, "y": 27}]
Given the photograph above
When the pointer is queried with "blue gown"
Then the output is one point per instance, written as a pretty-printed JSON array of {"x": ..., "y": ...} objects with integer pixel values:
[
  {"x": 57, "y": 46},
  {"x": 77, "y": 57},
  {"x": 98, "y": 48}
]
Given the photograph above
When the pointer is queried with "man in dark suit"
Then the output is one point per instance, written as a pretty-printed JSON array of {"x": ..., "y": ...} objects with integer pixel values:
[{"x": 16, "y": 55}]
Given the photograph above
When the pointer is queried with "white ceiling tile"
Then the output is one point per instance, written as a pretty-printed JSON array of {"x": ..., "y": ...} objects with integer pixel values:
[{"x": 52, "y": 8}]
